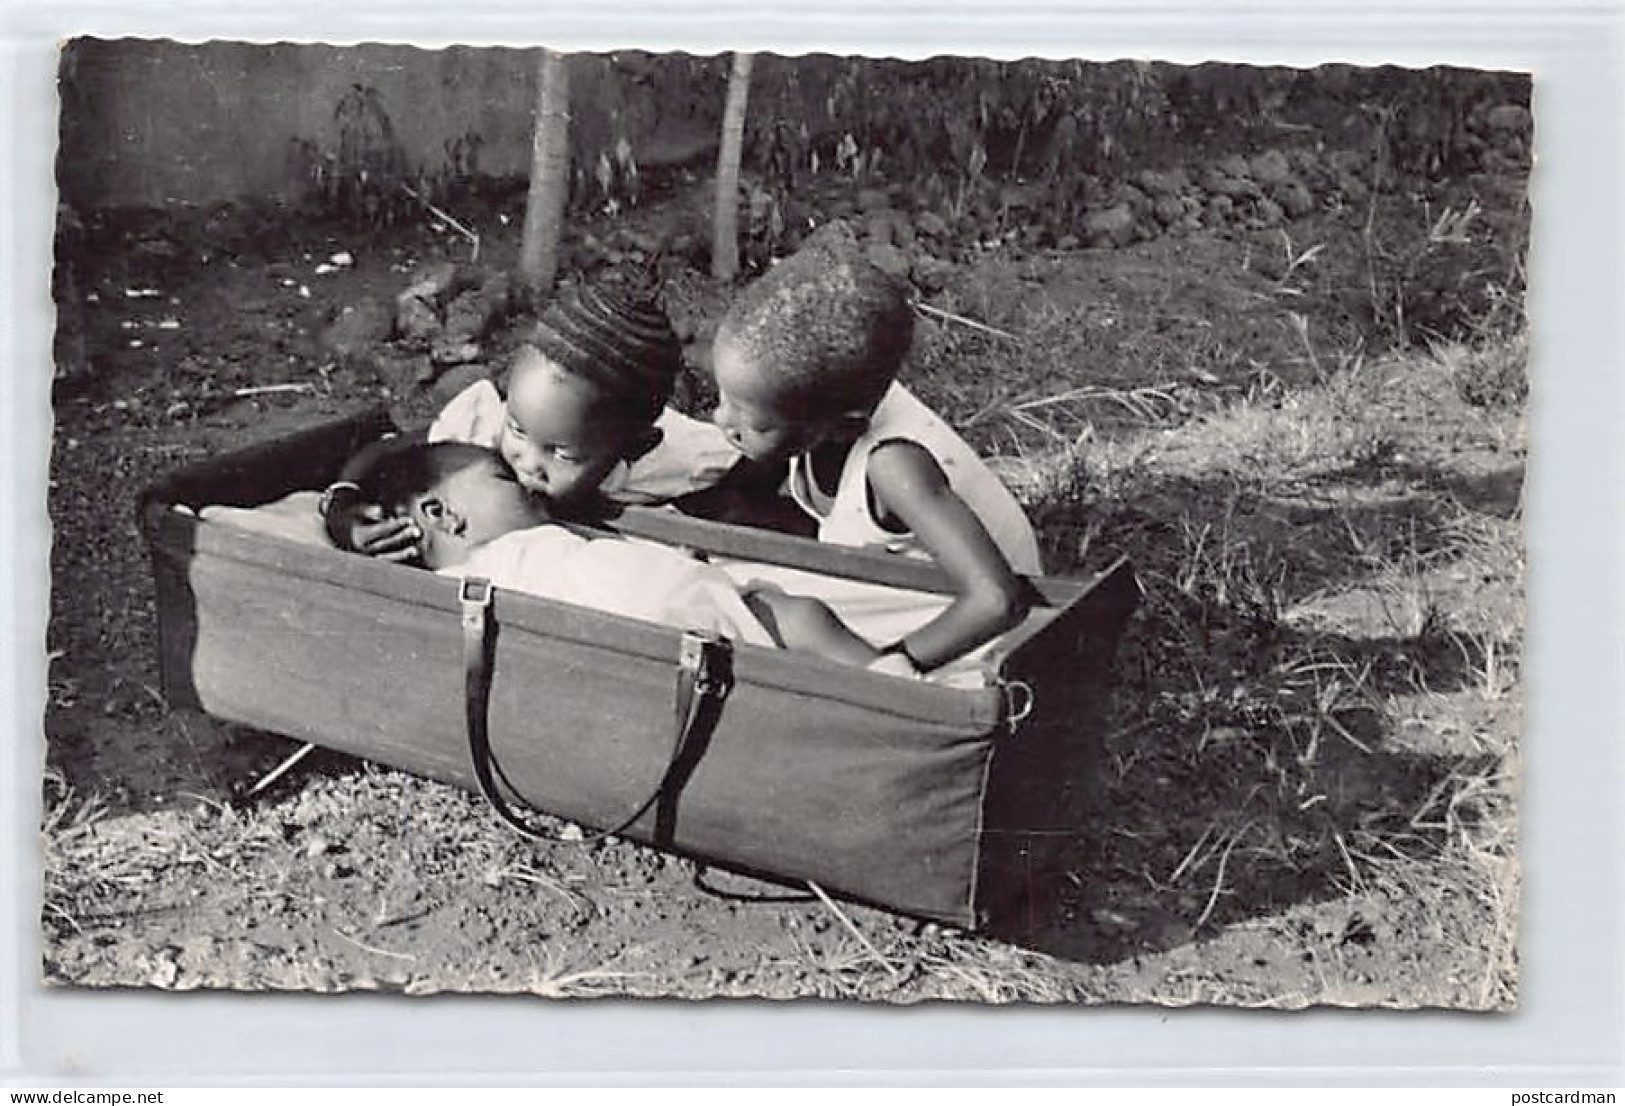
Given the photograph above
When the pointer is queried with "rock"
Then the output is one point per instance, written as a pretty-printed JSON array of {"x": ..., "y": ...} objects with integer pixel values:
[
  {"x": 689, "y": 248},
  {"x": 418, "y": 310},
  {"x": 1508, "y": 117},
  {"x": 1270, "y": 167},
  {"x": 1304, "y": 159},
  {"x": 1220, "y": 208},
  {"x": 888, "y": 259},
  {"x": 902, "y": 231},
  {"x": 1092, "y": 190},
  {"x": 1168, "y": 210},
  {"x": 1294, "y": 199},
  {"x": 871, "y": 200},
  {"x": 358, "y": 327},
  {"x": 1349, "y": 163},
  {"x": 468, "y": 317},
  {"x": 1270, "y": 213},
  {"x": 930, "y": 224},
  {"x": 1109, "y": 226},
  {"x": 836, "y": 234},
  {"x": 1235, "y": 187},
  {"x": 403, "y": 375},
  {"x": 434, "y": 282},
  {"x": 644, "y": 241},
  {"x": 415, "y": 318},
  {"x": 878, "y": 227},
  {"x": 1157, "y": 184},
  {"x": 932, "y": 273},
  {"x": 1136, "y": 199},
  {"x": 1235, "y": 166},
  {"x": 453, "y": 351}
]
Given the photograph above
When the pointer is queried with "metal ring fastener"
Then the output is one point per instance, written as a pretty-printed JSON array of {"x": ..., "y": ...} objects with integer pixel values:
[{"x": 1018, "y": 701}]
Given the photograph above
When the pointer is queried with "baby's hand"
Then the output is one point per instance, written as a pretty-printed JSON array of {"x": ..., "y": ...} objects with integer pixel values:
[{"x": 392, "y": 539}]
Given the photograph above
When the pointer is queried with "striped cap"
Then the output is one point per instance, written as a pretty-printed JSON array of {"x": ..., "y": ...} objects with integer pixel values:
[{"x": 618, "y": 338}]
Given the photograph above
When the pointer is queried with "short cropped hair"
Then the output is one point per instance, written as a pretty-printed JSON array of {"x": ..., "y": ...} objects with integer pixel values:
[
  {"x": 829, "y": 327},
  {"x": 399, "y": 476}
]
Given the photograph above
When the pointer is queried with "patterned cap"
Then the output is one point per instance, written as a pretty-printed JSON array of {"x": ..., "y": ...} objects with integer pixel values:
[{"x": 618, "y": 338}]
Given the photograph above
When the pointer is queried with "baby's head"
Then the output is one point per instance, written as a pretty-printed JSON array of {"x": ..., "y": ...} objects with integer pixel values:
[
  {"x": 459, "y": 495},
  {"x": 584, "y": 391},
  {"x": 808, "y": 350}
]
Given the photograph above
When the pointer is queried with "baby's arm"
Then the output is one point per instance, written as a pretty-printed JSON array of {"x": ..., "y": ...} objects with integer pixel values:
[
  {"x": 909, "y": 485},
  {"x": 359, "y": 526}
]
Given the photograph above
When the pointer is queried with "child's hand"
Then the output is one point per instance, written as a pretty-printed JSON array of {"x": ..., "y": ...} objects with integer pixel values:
[
  {"x": 392, "y": 539},
  {"x": 364, "y": 528}
]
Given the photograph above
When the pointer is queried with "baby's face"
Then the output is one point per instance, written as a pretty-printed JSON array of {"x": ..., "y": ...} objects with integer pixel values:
[
  {"x": 470, "y": 507},
  {"x": 751, "y": 412},
  {"x": 556, "y": 433}
]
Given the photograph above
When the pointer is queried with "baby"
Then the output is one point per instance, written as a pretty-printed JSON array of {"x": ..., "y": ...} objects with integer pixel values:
[
  {"x": 806, "y": 363},
  {"x": 477, "y": 519},
  {"x": 583, "y": 414}
]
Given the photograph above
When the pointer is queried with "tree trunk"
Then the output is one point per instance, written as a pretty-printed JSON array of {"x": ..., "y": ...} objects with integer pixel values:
[
  {"x": 549, "y": 176},
  {"x": 725, "y": 227}
]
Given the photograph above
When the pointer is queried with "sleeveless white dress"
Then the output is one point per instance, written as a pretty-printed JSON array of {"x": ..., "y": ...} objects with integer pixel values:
[{"x": 844, "y": 517}]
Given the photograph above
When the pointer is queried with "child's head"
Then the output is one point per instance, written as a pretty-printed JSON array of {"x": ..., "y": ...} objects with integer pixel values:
[
  {"x": 585, "y": 390},
  {"x": 808, "y": 349},
  {"x": 459, "y": 495}
]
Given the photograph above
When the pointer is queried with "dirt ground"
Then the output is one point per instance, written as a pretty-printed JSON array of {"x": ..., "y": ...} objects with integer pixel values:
[{"x": 1313, "y": 741}]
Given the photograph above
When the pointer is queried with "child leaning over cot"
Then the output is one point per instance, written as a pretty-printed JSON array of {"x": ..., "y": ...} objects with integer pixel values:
[
  {"x": 583, "y": 415},
  {"x": 478, "y": 520},
  {"x": 806, "y": 363}
]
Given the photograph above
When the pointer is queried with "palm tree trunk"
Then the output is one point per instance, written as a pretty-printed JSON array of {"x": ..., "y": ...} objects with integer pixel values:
[
  {"x": 549, "y": 176},
  {"x": 725, "y": 226}
]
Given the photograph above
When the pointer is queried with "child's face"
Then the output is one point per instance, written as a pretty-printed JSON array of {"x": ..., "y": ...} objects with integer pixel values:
[
  {"x": 472, "y": 506},
  {"x": 557, "y": 435},
  {"x": 751, "y": 412}
]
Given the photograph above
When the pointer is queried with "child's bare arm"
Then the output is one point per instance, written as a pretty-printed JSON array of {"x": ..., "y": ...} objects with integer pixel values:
[
  {"x": 809, "y": 626},
  {"x": 990, "y": 598}
]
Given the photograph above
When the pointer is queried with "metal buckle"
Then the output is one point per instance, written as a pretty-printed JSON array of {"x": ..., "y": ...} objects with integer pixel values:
[
  {"x": 695, "y": 652},
  {"x": 474, "y": 589},
  {"x": 474, "y": 593}
]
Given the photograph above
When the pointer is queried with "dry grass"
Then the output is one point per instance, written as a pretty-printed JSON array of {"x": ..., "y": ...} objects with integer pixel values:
[{"x": 1314, "y": 586}]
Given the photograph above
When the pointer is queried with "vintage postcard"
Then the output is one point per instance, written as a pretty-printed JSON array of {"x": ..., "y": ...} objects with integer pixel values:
[{"x": 985, "y": 531}]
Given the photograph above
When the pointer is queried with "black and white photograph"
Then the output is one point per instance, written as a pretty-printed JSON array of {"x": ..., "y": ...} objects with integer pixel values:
[{"x": 658, "y": 525}]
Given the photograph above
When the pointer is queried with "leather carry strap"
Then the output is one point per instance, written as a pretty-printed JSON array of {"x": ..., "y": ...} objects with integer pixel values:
[{"x": 703, "y": 681}]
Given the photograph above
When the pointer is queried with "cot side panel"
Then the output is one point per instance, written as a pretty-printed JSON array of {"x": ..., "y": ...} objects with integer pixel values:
[
  {"x": 1045, "y": 775},
  {"x": 261, "y": 473},
  {"x": 878, "y": 806}
]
